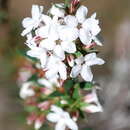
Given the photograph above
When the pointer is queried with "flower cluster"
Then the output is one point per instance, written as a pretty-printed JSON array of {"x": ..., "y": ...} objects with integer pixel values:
[{"x": 58, "y": 84}]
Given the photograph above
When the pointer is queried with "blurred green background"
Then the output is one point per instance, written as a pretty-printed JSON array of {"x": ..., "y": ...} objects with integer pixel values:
[{"x": 114, "y": 18}]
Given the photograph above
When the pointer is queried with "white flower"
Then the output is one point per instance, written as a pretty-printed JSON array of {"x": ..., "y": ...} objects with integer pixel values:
[
  {"x": 62, "y": 119},
  {"x": 32, "y": 23},
  {"x": 38, "y": 53},
  {"x": 67, "y": 33},
  {"x": 57, "y": 10},
  {"x": 83, "y": 65},
  {"x": 48, "y": 29},
  {"x": 55, "y": 66},
  {"x": 50, "y": 83},
  {"x": 88, "y": 27},
  {"x": 53, "y": 41},
  {"x": 92, "y": 98},
  {"x": 59, "y": 48},
  {"x": 26, "y": 90}
]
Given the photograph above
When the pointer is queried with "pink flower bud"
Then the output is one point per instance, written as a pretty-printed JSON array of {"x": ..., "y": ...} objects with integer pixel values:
[
  {"x": 75, "y": 116},
  {"x": 46, "y": 91},
  {"x": 37, "y": 40},
  {"x": 91, "y": 45},
  {"x": 89, "y": 98},
  {"x": 44, "y": 105},
  {"x": 73, "y": 6},
  {"x": 39, "y": 122},
  {"x": 31, "y": 118},
  {"x": 61, "y": 82},
  {"x": 93, "y": 108},
  {"x": 70, "y": 60},
  {"x": 75, "y": 2}
]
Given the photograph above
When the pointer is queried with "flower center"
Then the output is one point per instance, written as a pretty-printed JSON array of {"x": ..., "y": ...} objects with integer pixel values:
[
  {"x": 79, "y": 26},
  {"x": 58, "y": 42}
]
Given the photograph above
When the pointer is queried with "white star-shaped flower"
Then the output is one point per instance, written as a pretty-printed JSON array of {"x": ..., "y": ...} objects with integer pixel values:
[
  {"x": 52, "y": 40},
  {"x": 55, "y": 67},
  {"x": 83, "y": 65},
  {"x": 32, "y": 23},
  {"x": 62, "y": 119},
  {"x": 87, "y": 28}
]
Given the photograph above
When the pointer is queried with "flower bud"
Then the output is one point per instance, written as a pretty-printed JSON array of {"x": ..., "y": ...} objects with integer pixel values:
[
  {"x": 70, "y": 60},
  {"x": 73, "y": 6},
  {"x": 44, "y": 105},
  {"x": 31, "y": 118},
  {"x": 39, "y": 122}
]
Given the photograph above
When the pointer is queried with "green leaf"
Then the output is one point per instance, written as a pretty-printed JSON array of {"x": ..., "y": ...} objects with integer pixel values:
[
  {"x": 78, "y": 54},
  {"x": 81, "y": 113},
  {"x": 32, "y": 58},
  {"x": 30, "y": 108},
  {"x": 23, "y": 53},
  {"x": 83, "y": 104},
  {"x": 88, "y": 86},
  {"x": 68, "y": 85},
  {"x": 55, "y": 94},
  {"x": 33, "y": 78},
  {"x": 92, "y": 51},
  {"x": 76, "y": 93},
  {"x": 67, "y": 3}
]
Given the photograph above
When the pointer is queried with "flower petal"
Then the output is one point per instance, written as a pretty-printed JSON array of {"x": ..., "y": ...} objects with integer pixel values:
[
  {"x": 94, "y": 15},
  {"x": 86, "y": 73},
  {"x": 71, "y": 21},
  {"x": 92, "y": 97},
  {"x": 58, "y": 11},
  {"x": 62, "y": 71},
  {"x": 43, "y": 31},
  {"x": 51, "y": 72},
  {"x": 43, "y": 59},
  {"x": 75, "y": 71},
  {"x": 59, "y": 52},
  {"x": 26, "y": 91},
  {"x": 71, "y": 124},
  {"x": 35, "y": 52},
  {"x": 53, "y": 33},
  {"x": 46, "y": 19},
  {"x": 27, "y": 30},
  {"x": 79, "y": 60},
  {"x": 68, "y": 34},
  {"x": 27, "y": 22},
  {"x": 69, "y": 47},
  {"x": 85, "y": 36},
  {"x": 45, "y": 82},
  {"x": 36, "y": 11},
  {"x": 56, "y": 109},
  {"x": 97, "y": 41},
  {"x": 92, "y": 25},
  {"x": 38, "y": 125},
  {"x": 53, "y": 117},
  {"x": 93, "y": 109},
  {"x": 81, "y": 14},
  {"x": 47, "y": 44},
  {"x": 60, "y": 125},
  {"x": 92, "y": 59}
]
